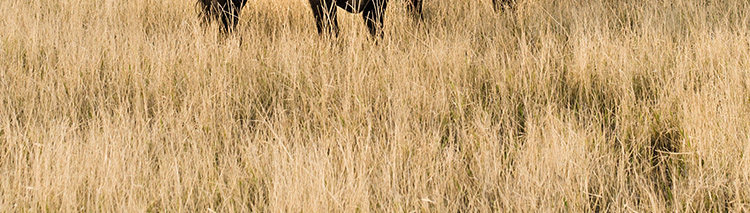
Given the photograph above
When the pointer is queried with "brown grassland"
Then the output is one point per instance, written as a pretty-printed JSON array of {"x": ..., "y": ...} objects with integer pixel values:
[{"x": 586, "y": 105}]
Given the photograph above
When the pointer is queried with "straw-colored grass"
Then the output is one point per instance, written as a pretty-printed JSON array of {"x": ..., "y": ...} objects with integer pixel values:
[{"x": 592, "y": 105}]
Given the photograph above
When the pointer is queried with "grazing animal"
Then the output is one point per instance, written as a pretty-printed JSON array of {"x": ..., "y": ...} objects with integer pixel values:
[
  {"x": 373, "y": 13},
  {"x": 226, "y": 11}
]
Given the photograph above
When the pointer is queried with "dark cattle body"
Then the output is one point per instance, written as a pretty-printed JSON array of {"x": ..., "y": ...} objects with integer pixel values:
[
  {"x": 226, "y": 11},
  {"x": 373, "y": 13}
]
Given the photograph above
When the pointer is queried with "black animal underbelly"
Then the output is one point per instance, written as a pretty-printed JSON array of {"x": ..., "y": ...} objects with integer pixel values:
[{"x": 353, "y": 6}]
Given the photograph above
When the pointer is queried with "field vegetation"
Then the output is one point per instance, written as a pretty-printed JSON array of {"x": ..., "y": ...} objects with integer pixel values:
[{"x": 584, "y": 105}]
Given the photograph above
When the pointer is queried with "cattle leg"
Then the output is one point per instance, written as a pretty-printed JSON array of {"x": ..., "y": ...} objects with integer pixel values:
[
  {"x": 374, "y": 14},
  {"x": 415, "y": 7},
  {"x": 325, "y": 16},
  {"x": 230, "y": 17}
]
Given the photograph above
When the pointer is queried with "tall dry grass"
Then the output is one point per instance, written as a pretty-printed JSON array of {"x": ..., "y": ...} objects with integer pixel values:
[{"x": 589, "y": 105}]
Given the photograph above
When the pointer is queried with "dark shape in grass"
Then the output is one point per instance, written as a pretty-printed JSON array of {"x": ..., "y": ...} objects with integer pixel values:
[
  {"x": 373, "y": 13},
  {"x": 225, "y": 11},
  {"x": 504, "y": 4}
]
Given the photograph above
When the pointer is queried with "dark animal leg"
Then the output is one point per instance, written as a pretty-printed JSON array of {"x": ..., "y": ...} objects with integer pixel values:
[
  {"x": 374, "y": 14},
  {"x": 325, "y": 16},
  {"x": 210, "y": 11},
  {"x": 225, "y": 11},
  {"x": 229, "y": 18},
  {"x": 415, "y": 7},
  {"x": 235, "y": 6}
]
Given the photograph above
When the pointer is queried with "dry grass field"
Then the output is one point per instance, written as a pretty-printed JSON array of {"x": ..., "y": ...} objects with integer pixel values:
[{"x": 588, "y": 105}]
